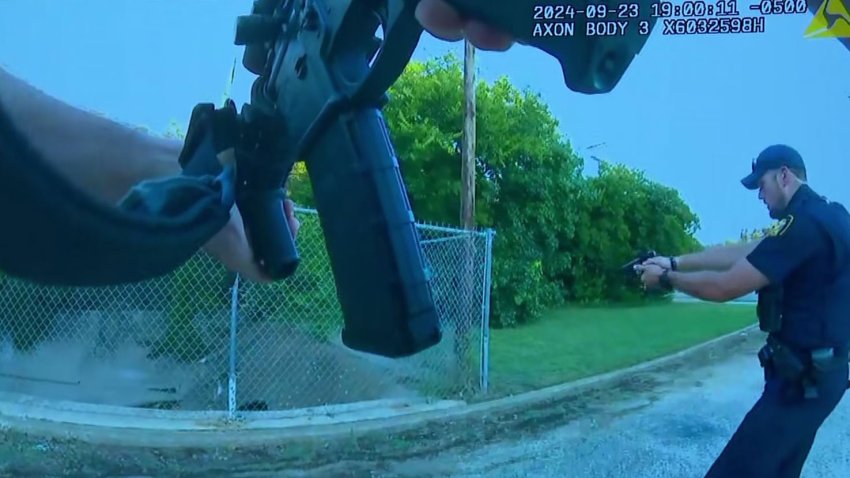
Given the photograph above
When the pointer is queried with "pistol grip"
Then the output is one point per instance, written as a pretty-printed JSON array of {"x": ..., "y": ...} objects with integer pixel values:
[{"x": 268, "y": 232}]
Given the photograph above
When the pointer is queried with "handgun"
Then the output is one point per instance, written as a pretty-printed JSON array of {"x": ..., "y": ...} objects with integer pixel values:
[{"x": 629, "y": 267}]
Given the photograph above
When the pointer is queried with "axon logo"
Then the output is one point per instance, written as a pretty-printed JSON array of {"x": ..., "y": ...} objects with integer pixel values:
[{"x": 832, "y": 20}]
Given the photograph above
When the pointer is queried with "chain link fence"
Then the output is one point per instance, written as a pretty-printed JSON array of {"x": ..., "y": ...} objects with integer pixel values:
[{"x": 200, "y": 339}]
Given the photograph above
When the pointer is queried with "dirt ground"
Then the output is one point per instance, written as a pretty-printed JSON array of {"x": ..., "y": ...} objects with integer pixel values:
[{"x": 443, "y": 449}]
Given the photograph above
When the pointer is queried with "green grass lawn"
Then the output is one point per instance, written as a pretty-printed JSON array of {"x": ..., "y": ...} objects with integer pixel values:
[{"x": 573, "y": 343}]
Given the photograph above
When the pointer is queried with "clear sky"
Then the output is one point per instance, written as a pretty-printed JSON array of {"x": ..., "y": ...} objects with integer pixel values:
[{"x": 692, "y": 111}]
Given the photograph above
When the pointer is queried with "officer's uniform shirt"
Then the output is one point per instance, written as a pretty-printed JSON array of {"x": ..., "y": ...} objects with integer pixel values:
[{"x": 802, "y": 257}]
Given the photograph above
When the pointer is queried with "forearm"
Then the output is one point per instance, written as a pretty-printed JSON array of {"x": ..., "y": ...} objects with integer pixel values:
[
  {"x": 718, "y": 258},
  {"x": 99, "y": 155},
  {"x": 705, "y": 285}
]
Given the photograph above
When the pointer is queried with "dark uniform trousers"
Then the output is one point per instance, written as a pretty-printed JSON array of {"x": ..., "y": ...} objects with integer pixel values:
[{"x": 775, "y": 437}]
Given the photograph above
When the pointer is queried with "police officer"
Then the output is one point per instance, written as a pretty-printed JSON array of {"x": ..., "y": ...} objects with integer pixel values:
[{"x": 802, "y": 275}]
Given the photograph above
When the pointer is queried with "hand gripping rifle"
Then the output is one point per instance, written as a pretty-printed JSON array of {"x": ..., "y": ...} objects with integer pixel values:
[{"x": 322, "y": 81}]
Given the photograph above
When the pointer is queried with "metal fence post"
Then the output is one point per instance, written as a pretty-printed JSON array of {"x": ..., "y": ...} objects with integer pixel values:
[
  {"x": 485, "y": 312},
  {"x": 231, "y": 375}
]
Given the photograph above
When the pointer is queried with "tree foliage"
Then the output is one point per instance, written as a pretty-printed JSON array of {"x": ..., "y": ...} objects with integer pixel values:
[
  {"x": 758, "y": 233},
  {"x": 560, "y": 236},
  {"x": 620, "y": 212}
]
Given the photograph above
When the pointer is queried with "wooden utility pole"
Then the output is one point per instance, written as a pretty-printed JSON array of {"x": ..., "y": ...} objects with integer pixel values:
[
  {"x": 464, "y": 320},
  {"x": 467, "y": 204}
]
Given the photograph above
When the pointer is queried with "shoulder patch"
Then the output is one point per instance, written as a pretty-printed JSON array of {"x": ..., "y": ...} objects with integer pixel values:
[{"x": 784, "y": 225}]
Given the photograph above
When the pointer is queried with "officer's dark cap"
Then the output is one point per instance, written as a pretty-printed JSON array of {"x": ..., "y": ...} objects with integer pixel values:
[{"x": 773, "y": 157}]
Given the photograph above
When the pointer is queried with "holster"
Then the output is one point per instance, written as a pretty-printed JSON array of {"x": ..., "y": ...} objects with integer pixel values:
[
  {"x": 806, "y": 369},
  {"x": 769, "y": 308}
]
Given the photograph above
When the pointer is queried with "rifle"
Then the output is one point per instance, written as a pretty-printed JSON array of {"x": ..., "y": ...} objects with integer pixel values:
[
  {"x": 320, "y": 99},
  {"x": 323, "y": 77}
]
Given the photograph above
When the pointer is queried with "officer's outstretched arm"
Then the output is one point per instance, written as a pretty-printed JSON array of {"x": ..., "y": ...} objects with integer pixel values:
[
  {"x": 718, "y": 258},
  {"x": 99, "y": 155},
  {"x": 770, "y": 262},
  {"x": 107, "y": 158},
  {"x": 720, "y": 286}
]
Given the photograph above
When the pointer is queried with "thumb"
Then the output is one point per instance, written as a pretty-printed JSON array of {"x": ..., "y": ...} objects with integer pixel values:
[
  {"x": 289, "y": 213},
  {"x": 288, "y": 207}
]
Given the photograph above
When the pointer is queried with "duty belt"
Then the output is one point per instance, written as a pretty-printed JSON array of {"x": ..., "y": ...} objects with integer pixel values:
[{"x": 803, "y": 367}]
